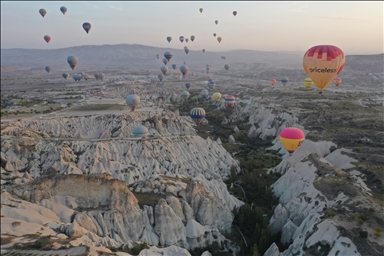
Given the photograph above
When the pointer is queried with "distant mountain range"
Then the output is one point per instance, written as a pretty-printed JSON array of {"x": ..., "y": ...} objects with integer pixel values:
[{"x": 126, "y": 56}]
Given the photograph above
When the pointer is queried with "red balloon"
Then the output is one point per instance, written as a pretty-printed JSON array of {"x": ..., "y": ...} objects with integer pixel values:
[{"x": 47, "y": 38}]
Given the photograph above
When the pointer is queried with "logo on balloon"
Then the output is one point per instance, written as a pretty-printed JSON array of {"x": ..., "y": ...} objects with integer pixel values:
[{"x": 323, "y": 70}]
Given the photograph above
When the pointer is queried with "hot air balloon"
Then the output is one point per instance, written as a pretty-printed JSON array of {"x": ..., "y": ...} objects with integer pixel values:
[
  {"x": 101, "y": 76},
  {"x": 72, "y": 61},
  {"x": 197, "y": 115},
  {"x": 132, "y": 101},
  {"x": 185, "y": 95},
  {"x": 201, "y": 10},
  {"x": 323, "y": 63},
  {"x": 223, "y": 57},
  {"x": 165, "y": 61},
  {"x": 65, "y": 75},
  {"x": 47, "y": 38},
  {"x": 214, "y": 34},
  {"x": 140, "y": 131},
  {"x": 226, "y": 66},
  {"x": 157, "y": 56},
  {"x": 192, "y": 38},
  {"x": 187, "y": 85},
  {"x": 77, "y": 77},
  {"x": 216, "y": 96},
  {"x": 284, "y": 80},
  {"x": 185, "y": 63},
  {"x": 168, "y": 55},
  {"x": 229, "y": 100},
  {"x": 219, "y": 39},
  {"x": 63, "y": 9},
  {"x": 203, "y": 50},
  {"x": 216, "y": 21},
  {"x": 291, "y": 138},
  {"x": 186, "y": 40},
  {"x": 86, "y": 77},
  {"x": 42, "y": 12},
  {"x": 160, "y": 77},
  {"x": 337, "y": 81},
  {"x": 204, "y": 92},
  {"x": 164, "y": 69},
  {"x": 273, "y": 81},
  {"x": 234, "y": 13},
  {"x": 48, "y": 68},
  {"x": 186, "y": 49},
  {"x": 184, "y": 70},
  {"x": 87, "y": 26},
  {"x": 211, "y": 84},
  {"x": 308, "y": 83},
  {"x": 96, "y": 76},
  {"x": 174, "y": 66},
  {"x": 181, "y": 38},
  {"x": 207, "y": 68},
  {"x": 169, "y": 39}
]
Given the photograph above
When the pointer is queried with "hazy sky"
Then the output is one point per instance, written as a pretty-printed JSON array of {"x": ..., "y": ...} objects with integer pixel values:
[{"x": 355, "y": 27}]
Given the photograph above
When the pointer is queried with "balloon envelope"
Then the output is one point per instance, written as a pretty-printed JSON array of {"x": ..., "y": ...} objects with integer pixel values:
[
  {"x": 96, "y": 76},
  {"x": 185, "y": 95},
  {"x": 226, "y": 66},
  {"x": 165, "y": 61},
  {"x": 184, "y": 70},
  {"x": 47, "y": 68},
  {"x": 186, "y": 40},
  {"x": 157, "y": 56},
  {"x": 169, "y": 39},
  {"x": 323, "y": 63},
  {"x": 174, "y": 66},
  {"x": 216, "y": 96},
  {"x": 140, "y": 131},
  {"x": 160, "y": 77},
  {"x": 201, "y": 10},
  {"x": 63, "y": 9},
  {"x": 186, "y": 49},
  {"x": 101, "y": 76},
  {"x": 214, "y": 34},
  {"x": 181, "y": 38},
  {"x": 168, "y": 55},
  {"x": 47, "y": 38},
  {"x": 211, "y": 84},
  {"x": 284, "y": 80},
  {"x": 291, "y": 138},
  {"x": 65, "y": 75},
  {"x": 219, "y": 39},
  {"x": 132, "y": 101},
  {"x": 273, "y": 81},
  {"x": 308, "y": 83},
  {"x": 204, "y": 92},
  {"x": 72, "y": 61},
  {"x": 86, "y": 77},
  {"x": 203, "y": 50},
  {"x": 187, "y": 85},
  {"x": 229, "y": 100},
  {"x": 337, "y": 81},
  {"x": 87, "y": 26},
  {"x": 234, "y": 13},
  {"x": 164, "y": 69},
  {"x": 197, "y": 115},
  {"x": 42, "y": 12},
  {"x": 216, "y": 21},
  {"x": 192, "y": 38}
]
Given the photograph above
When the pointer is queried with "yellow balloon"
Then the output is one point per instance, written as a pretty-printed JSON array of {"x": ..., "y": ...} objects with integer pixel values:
[
  {"x": 308, "y": 83},
  {"x": 216, "y": 96},
  {"x": 323, "y": 63},
  {"x": 219, "y": 39}
]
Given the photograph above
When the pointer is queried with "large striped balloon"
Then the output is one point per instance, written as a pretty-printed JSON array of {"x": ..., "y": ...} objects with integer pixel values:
[
  {"x": 229, "y": 100},
  {"x": 197, "y": 115},
  {"x": 291, "y": 138},
  {"x": 323, "y": 63}
]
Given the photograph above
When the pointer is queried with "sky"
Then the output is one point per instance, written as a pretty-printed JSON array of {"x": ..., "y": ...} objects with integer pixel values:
[{"x": 355, "y": 27}]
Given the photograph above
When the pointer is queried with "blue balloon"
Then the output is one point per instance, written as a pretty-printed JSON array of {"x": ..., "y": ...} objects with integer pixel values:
[
  {"x": 140, "y": 131},
  {"x": 187, "y": 85}
]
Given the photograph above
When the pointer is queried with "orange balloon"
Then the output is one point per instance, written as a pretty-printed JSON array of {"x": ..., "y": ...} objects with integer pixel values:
[{"x": 323, "y": 63}]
